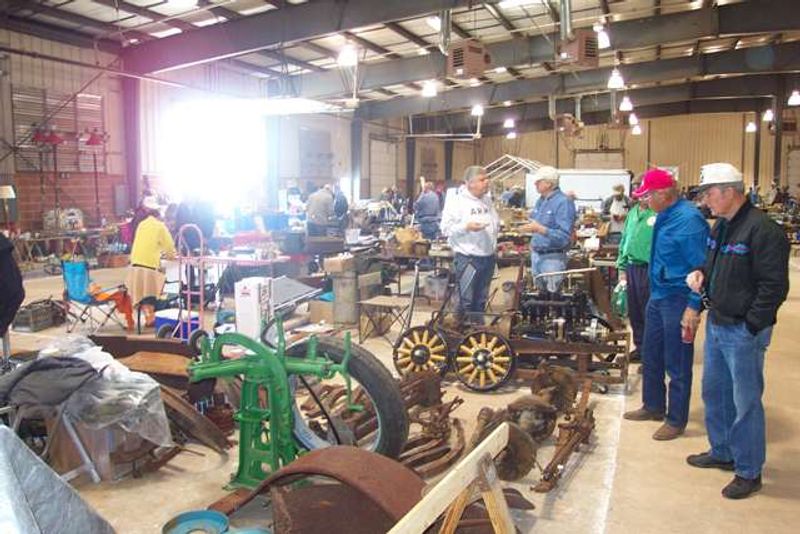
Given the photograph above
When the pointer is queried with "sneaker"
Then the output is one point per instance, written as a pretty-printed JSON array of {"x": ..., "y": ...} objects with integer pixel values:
[
  {"x": 705, "y": 460},
  {"x": 643, "y": 414},
  {"x": 667, "y": 432},
  {"x": 739, "y": 487}
]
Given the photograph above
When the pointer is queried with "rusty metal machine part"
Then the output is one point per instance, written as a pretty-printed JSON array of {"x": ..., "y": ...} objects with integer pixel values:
[
  {"x": 434, "y": 448},
  {"x": 419, "y": 349},
  {"x": 560, "y": 380},
  {"x": 535, "y": 414},
  {"x": 192, "y": 422},
  {"x": 484, "y": 361},
  {"x": 571, "y": 435},
  {"x": 519, "y": 457}
]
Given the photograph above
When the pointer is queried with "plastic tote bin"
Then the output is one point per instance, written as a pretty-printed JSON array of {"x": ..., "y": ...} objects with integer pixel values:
[{"x": 170, "y": 317}]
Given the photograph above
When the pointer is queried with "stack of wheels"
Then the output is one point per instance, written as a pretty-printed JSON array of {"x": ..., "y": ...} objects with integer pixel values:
[
  {"x": 484, "y": 361},
  {"x": 419, "y": 349}
]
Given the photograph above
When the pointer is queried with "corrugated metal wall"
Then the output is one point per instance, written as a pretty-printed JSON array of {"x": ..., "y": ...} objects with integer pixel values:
[{"x": 60, "y": 78}]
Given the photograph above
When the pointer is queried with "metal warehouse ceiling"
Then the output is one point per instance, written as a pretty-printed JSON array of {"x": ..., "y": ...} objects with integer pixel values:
[{"x": 294, "y": 43}]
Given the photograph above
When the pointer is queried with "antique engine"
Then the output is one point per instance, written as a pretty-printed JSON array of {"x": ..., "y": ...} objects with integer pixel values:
[{"x": 560, "y": 316}]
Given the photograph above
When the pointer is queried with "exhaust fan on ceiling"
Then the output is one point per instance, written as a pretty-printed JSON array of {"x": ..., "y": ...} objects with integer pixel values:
[{"x": 579, "y": 52}]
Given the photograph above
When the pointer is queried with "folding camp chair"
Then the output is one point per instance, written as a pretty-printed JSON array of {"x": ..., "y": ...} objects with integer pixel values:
[{"x": 81, "y": 305}]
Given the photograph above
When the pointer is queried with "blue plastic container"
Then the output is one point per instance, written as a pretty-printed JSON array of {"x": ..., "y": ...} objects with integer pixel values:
[{"x": 170, "y": 317}]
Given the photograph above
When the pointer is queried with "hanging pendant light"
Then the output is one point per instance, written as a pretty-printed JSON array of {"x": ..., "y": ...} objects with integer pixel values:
[
  {"x": 511, "y": 135},
  {"x": 477, "y": 110},
  {"x": 616, "y": 81},
  {"x": 751, "y": 127},
  {"x": 626, "y": 104},
  {"x": 429, "y": 89},
  {"x": 633, "y": 120},
  {"x": 794, "y": 98},
  {"x": 348, "y": 56},
  {"x": 768, "y": 115},
  {"x": 508, "y": 123},
  {"x": 636, "y": 130}
]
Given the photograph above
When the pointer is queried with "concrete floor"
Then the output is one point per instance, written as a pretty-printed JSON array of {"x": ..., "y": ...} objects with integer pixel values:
[{"x": 622, "y": 482}]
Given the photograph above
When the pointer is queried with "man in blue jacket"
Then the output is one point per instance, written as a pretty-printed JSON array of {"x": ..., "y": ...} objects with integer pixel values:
[
  {"x": 552, "y": 220},
  {"x": 672, "y": 316}
]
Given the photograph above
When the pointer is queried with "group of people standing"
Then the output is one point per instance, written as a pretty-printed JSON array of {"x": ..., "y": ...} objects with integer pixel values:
[
  {"x": 737, "y": 270},
  {"x": 675, "y": 266}
]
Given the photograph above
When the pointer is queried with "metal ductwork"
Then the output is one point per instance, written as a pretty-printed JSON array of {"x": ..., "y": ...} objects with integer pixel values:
[
  {"x": 444, "y": 31},
  {"x": 566, "y": 20},
  {"x": 578, "y": 108}
]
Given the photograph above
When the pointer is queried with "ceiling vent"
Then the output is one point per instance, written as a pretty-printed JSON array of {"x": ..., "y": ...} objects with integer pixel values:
[{"x": 580, "y": 52}]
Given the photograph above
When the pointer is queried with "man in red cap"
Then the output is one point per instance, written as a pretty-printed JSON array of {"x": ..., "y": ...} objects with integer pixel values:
[{"x": 672, "y": 316}]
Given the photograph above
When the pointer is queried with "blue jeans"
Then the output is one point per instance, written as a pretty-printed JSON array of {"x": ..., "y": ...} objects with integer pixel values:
[
  {"x": 548, "y": 263},
  {"x": 473, "y": 276},
  {"x": 733, "y": 382},
  {"x": 429, "y": 228},
  {"x": 665, "y": 352}
]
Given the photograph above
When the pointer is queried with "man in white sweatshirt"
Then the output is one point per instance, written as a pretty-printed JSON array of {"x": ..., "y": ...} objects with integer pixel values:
[{"x": 471, "y": 224}]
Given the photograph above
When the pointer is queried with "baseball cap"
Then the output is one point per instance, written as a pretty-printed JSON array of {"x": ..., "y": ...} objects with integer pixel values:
[
  {"x": 546, "y": 173},
  {"x": 718, "y": 174},
  {"x": 151, "y": 203},
  {"x": 654, "y": 180}
]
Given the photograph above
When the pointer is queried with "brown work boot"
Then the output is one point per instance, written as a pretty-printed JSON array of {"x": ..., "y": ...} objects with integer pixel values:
[
  {"x": 643, "y": 414},
  {"x": 668, "y": 432}
]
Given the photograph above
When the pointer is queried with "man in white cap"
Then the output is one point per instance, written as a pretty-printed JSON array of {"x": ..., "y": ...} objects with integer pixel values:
[
  {"x": 744, "y": 281},
  {"x": 471, "y": 225},
  {"x": 552, "y": 221}
]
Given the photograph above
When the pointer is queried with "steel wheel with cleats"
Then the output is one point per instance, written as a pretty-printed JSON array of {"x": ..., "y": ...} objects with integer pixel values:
[
  {"x": 420, "y": 349},
  {"x": 484, "y": 361}
]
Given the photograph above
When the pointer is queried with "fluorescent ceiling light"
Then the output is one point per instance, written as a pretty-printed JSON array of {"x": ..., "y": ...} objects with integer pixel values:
[
  {"x": 507, "y": 103},
  {"x": 348, "y": 56},
  {"x": 794, "y": 99},
  {"x": 637, "y": 130},
  {"x": 423, "y": 51},
  {"x": 633, "y": 120},
  {"x": 616, "y": 81},
  {"x": 434, "y": 22},
  {"x": 429, "y": 88},
  {"x": 751, "y": 127},
  {"x": 511, "y": 135},
  {"x": 626, "y": 104},
  {"x": 508, "y": 123},
  {"x": 768, "y": 116},
  {"x": 500, "y": 70},
  {"x": 477, "y": 110}
]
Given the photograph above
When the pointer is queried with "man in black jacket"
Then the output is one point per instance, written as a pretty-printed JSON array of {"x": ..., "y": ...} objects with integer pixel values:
[
  {"x": 12, "y": 292},
  {"x": 744, "y": 281}
]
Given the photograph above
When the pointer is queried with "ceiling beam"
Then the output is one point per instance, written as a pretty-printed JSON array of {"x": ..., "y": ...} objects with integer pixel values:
[
  {"x": 58, "y": 34},
  {"x": 502, "y": 19},
  {"x": 745, "y": 87},
  {"x": 763, "y": 59},
  {"x": 742, "y": 18},
  {"x": 147, "y": 13},
  {"x": 411, "y": 36},
  {"x": 274, "y": 27}
]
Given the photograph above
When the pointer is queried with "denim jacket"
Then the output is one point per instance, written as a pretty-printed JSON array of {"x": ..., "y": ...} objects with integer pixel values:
[{"x": 557, "y": 213}]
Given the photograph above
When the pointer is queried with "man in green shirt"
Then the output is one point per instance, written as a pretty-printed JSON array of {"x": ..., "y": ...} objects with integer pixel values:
[{"x": 632, "y": 263}]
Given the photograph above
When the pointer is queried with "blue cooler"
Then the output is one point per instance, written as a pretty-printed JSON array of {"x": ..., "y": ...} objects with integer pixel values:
[{"x": 170, "y": 317}]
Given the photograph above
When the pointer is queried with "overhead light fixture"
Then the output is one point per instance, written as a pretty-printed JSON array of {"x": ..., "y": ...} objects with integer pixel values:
[
  {"x": 626, "y": 104},
  {"x": 751, "y": 127},
  {"x": 477, "y": 111},
  {"x": 348, "y": 56},
  {"x": 500, "y": 70},
  {"x": 508, "y": 123},
  {"x": 435, "y": 22},
  {"x": 636, "y": 130},
  {"x": 603, "y": 40},
  {"x": 768, "y": 115},
  {"x": 616, "y": 81},
  {"x": 516, "y": 3},
  {"x": 474, "y": 82},
  {"x": 183, "y": 3},
  {"x": 423, "y": 51},
  {"x": 429, "y": 88},
  {"x": 633, "y": 120},
  {"x": 511, "y": 135},
  {"x": 794, "y": 99},
  {"x": 507, "y": 103}
]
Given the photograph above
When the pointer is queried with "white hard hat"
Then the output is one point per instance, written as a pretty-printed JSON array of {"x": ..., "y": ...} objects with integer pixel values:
[
  {"x": 546, "y": 173},
  {"x": 719, "y": 174}
]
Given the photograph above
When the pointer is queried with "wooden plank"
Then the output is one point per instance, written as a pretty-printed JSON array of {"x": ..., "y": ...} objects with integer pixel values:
[
  {"x": 157, "y": 363},
  {"x": 440, "y": 497}
]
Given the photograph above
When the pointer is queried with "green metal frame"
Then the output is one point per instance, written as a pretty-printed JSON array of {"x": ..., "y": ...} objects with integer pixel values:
[{"x": 266, "y": 434}]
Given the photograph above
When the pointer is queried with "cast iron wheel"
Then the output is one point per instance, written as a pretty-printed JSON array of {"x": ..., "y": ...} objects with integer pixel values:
[
  {"x": 196, "y": 341},
  {"x": 419, "y": 349},
  {"x": 381, "y": 390},
  {"x": 484, "y": 361}
]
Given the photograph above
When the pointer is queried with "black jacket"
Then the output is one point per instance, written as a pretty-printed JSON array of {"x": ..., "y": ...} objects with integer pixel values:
[
  {"x": 747, "y": 269},
  {"x": 12, "y": 292}
]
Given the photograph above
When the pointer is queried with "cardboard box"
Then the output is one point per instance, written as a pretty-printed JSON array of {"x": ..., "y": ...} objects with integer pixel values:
[
  {"x": 320, "y": 310},
  {"x": 339, "y": 264}
]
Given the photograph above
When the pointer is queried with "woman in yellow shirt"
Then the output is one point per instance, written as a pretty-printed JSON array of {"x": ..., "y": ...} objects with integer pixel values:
[{"x": 152, "y": 240}]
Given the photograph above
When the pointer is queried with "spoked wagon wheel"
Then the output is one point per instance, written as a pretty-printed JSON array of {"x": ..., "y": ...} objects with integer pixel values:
[
  {"x": 419, "y": 349},
  {"x": 484, "y": 361}
]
